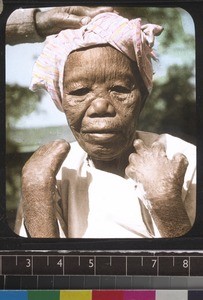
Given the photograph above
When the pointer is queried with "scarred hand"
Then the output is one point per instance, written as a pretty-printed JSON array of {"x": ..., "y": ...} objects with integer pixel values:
[
  {"x": 70, "y": 17},
  {"x": 162, "y": 179},
  {"x": 159, "y": 175},
  {"x": 38, "y": 188}
]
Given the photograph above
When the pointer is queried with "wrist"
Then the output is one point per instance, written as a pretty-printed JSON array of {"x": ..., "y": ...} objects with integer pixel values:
[
  {"x": 38, "y": 17},
  {"x": 172, "y": 199},
  {"x": 171, "y": 217}
]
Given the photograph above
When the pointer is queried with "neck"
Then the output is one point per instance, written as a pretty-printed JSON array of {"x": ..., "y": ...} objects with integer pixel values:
[{"x": 116, "y": 166}]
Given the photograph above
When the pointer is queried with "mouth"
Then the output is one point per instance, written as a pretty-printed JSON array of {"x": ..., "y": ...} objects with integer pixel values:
[{"x": 106, "y": 135}]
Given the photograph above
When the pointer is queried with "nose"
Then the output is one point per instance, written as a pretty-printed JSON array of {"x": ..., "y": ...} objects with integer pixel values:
[{"x": 101, "y": 107}]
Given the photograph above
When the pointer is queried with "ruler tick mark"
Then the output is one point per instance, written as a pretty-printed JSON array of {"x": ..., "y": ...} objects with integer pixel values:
[
  {"x": 47, "y": 260},
  {"x": 142, "y": 261}
]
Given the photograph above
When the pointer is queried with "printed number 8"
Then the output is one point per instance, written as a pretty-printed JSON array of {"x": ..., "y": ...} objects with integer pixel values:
[{"x": 185, "y": 263}]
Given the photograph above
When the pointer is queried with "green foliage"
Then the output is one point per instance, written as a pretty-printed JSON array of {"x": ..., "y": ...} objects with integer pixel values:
[
  {"x": 20, "y": 101},
  {"x": 169, "y": 18},
  {"x": 171, "y": 106}
]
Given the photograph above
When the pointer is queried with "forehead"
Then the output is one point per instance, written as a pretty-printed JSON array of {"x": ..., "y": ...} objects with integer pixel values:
[
  {"x": 105, "y": 52},
  {"x": 98, "y": 61}
]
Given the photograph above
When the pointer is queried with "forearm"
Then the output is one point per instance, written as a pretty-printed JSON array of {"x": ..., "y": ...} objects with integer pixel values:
[
  {"x": 39, "y": 188},
  {"x": 170, "y": 217},
  {"x": 39, "y": 211},
  {"x": 21, "y": 27}
]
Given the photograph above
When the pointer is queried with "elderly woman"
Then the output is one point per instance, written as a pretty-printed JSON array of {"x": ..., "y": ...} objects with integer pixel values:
[{"x": 115, "y": 182}]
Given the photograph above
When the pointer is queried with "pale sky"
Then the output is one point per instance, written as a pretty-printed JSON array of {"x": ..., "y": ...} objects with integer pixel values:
[{"x": 19, "y": 64}]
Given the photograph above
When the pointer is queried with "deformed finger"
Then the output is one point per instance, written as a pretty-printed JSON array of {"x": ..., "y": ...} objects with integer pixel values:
[
  {"x": 181, "y": 162},
  {"x": 70, "y": 21},
  {"x": 55, "y": 147},
  {"x": 93, "y": 11},
  {"x": 132, "y": 158},
  {"x": 159, "y": 148},
  {"x": 130, "y": 172},
  {"x": 139, "y": 146},
  {"x": 86, "y": 11},
  {"x": 48, "y": 157}
]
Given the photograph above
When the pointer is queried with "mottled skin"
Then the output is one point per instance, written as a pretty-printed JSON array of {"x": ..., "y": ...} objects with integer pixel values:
[
  {"x": 103, "y": 98},
  {"x": 38, "y": 189},
  {"x": 162, "y": 180}
]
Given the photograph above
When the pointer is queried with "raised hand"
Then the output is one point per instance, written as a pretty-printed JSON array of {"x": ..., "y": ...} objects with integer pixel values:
[
  {"x": 162, "y": 180},
  {"x": 70, "y": 17},
  {"x": 39, "y": 187}
]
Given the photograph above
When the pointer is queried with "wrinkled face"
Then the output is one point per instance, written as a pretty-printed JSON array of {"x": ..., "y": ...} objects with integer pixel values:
[{"x": 102, "y": 101}]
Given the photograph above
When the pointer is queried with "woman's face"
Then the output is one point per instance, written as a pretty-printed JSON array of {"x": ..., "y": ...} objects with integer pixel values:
[{"x": 102, "y": 101}]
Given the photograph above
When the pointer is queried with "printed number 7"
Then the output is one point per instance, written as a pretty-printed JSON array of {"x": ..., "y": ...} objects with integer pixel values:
[{"x": 154, "y": 261}]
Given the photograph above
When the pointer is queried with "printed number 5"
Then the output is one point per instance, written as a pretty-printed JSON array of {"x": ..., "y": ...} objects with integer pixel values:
[{"x": 91, "y": 263}]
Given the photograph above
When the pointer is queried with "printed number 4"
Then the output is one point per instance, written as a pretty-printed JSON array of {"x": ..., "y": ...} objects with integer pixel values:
[{"x": 60, "y": 263}]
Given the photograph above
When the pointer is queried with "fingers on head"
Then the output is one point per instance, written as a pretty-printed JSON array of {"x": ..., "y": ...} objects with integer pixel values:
[
  {"x": 93, "y": 11},
  {"x": 87, "y": 11}
]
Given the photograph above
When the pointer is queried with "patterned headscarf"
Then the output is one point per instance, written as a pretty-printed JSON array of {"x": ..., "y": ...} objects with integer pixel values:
[{"x": 127, "y": 36}]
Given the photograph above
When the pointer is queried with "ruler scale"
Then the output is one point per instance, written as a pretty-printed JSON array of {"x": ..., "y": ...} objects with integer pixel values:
[
  {"x": 98, "y": 270},
  {"x": 114, "y": 264}
]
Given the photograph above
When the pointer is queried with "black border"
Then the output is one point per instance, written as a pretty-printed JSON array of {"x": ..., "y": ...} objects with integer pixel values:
[{"x": 193, "y": 240}]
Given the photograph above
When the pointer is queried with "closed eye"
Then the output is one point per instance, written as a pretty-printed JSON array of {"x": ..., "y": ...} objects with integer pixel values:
[
  {"x": 120, "y": 89},
  {"x": 79, "y": 92}
]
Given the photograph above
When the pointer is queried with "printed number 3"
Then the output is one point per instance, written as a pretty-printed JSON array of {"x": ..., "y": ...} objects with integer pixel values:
[{"x": 28, "y": 263}]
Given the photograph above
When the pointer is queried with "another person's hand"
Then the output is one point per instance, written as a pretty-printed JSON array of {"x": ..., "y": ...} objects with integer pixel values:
[
  {"x": 71, "y": 17},
  {"x": 162, "y": 180},
  {"x": 39, "y": 187}
]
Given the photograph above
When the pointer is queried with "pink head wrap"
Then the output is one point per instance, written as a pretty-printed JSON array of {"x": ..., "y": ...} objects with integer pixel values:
[{"x": 127, "y": 36}]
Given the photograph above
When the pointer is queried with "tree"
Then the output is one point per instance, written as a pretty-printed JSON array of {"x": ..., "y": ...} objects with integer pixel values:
[
  {"x": 19, "y": 101},
  {"x": 171, "y": 106}
]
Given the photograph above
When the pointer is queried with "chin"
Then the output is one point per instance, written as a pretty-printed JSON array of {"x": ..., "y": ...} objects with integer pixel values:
[
  {"x": 103, "y": 153},
  {"x": 105, "y": 150}
]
